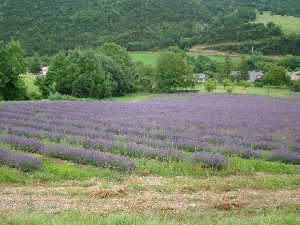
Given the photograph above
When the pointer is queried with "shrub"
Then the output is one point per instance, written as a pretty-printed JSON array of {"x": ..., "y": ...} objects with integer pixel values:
[
  {"x": 245, "y": 83},
  {"x": 296, "y": 86},
  {"x": 24, "y": 162},
  {"x": 25, "y": 144},
  {"x": 214, "y": 160},
  {"x": 210, "y": 85},
  {"x": 259, "y": 84},
  {"x": 229, "y": 89},
  {"x": 285, "y": 156},
  {"x": 89, "y": 157}
]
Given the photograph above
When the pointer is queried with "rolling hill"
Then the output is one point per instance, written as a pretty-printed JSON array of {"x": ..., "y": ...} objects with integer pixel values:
[{"x": 50, "y": 26}]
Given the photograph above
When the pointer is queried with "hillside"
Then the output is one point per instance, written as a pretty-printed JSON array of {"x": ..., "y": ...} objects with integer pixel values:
[
  {"x": 289, "y": 24},
  {"x": 49, "y": 26}
]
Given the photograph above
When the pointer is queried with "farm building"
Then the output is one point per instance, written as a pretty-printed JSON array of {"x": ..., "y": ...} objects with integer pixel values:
[
  {"x": 201, "y": 77},
  {"x": 294, "y": 75},
  {"x": 253, "y": 75},
  {"x": 44, "y": 71}
]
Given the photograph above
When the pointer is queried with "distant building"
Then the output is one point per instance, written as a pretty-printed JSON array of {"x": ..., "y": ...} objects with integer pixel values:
[
  {"x": 201, "y": 77},
  {"x": 253, "y": 75},
  {"x": 294, "y": 75},
  {"x": 44, "y": 71}
]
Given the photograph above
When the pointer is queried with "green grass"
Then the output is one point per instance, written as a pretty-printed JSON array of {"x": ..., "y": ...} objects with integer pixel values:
[
  {"x": 265, "y": 91},
  {"x": 77, "y": 218},
  {"x": 150, "y": 58},
  {"x": 237, "y": 166},
  {"x": 57, "y": 170},
  {"x": 289, "y": 24},
  {"x": 146, "y": 58},
  {"x": 29, "y": 82}
]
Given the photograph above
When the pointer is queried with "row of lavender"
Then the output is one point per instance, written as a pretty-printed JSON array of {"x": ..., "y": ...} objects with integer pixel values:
[
  {"x": 83, "y": 156},
  {"x": 234, "y": 125}
]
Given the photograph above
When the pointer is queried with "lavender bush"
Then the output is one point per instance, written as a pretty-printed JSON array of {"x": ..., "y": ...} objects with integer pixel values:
[
  {"x": 22, "y": 143},
  {"x": 213, "y": 160},
  {"x": 89, "y": 157},
  {"x": 24, "y": 162},
  {"x": 285, "y": 156}
]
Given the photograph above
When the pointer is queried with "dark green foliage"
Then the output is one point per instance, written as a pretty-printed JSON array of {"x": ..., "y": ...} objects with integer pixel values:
[
  {"x": 12, "y": 64},
  {"x": 59, "y": 25},
  {"x": 173, "y": 72},
  {"x": 35, "y": 64},
  {"x": 105, "y": 72},
  {"x": 146, "y": 75},
  {"x": 244, "y": 70},
  {"x": 225, "y": 69},
  {"x": 202, "y": 63},
  {"x": 290, "y": 62},
  {"x": 276, "y": 76},
  {"x": 296, "y": 86},
  {"x": 259, "y": 84},
  {"x": 285, "y": 45},
  {"x": 258, "y": 62},
  {"x": 246, "y": 13}
]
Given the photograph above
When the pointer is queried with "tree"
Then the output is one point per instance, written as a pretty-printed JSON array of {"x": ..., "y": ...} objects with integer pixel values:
[
  {"x": 225, "y": 69},
  {"x": 104, "y": 72},
  {"x": 276, "y": 76},
  {"x": 124, "y": 61},
  {"x": 290, "y": 62},
  {"x": 35, "y": 64},
  {"x": 77, "y": 73},
  {"x": 146, "y": 77},
  {"x": 244, "y": 73},
  {"x": 172, "y": 72},
  {"x": 12, "y": 64}
]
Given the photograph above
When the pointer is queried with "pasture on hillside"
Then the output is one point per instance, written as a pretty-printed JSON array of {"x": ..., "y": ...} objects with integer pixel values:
[
  {"x": 150, "y": 58},
  {"x": 172, "y": 158},
  {"x": 289, "y": 24}
]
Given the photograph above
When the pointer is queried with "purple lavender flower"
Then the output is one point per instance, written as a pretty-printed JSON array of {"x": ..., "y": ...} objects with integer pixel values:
[
  {"x": 19, "y": 142},
  {"x": 24, "y": 162},
  {"x": 89, "y": 157},
  {"x": 285, "y": 156},
  {"x": 214, "y": 160}
]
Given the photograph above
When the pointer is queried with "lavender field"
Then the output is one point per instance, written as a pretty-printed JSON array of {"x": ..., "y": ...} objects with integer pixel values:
[{"x": 205, "y": 130}]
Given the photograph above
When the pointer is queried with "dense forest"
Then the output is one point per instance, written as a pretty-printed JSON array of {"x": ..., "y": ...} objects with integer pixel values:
[{"x": 47, "y": 27}]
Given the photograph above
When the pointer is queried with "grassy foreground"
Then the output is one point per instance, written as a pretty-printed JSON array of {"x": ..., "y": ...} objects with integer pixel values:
[{"x": 289, "y": 24}]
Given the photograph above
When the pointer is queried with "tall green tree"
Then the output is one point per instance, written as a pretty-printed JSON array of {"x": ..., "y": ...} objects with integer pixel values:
[
  {"x": 12, "y": 64},
  {"x": 225, "y": 69},
  {"x": 244, "y": 71},
  {"x": 173, "y": 72}
]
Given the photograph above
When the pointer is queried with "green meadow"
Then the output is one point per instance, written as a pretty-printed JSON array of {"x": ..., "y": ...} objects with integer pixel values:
[
  {"x": 289, "y": 24},
  {"x": 150, "y": 58}
]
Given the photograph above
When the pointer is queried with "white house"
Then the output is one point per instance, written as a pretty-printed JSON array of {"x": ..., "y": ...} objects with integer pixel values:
[
  {"x": 201, "y": 77},
  {"x": 44, "y": 71},
  {"x": 254, "y": 75}
]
